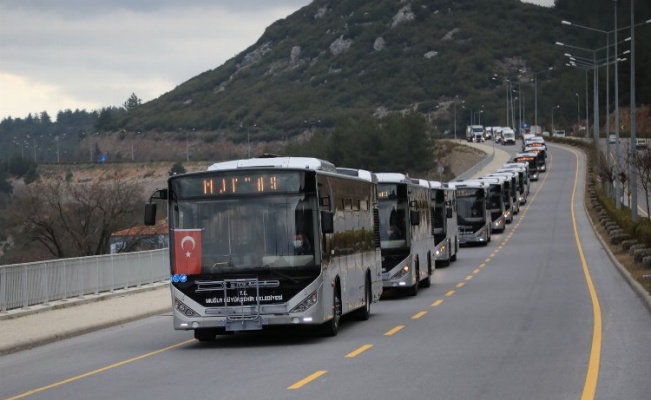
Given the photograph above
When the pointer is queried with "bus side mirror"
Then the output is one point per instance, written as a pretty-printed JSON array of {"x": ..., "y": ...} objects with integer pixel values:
[
  {"x": 327, "y": 222},
  {"x": 150, "y": 214},
  {"x": 448, "y": 212},
  {"x": 414, "y": 217}
]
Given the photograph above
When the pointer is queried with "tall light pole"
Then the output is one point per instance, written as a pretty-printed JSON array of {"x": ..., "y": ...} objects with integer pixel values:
[
  {"x": 535, "y": 92},
  {"x": 633, "y": 175},
  {"x": 554, "y": 108},
  {"x": 632, "y": 149},
  {"x": 578, "y": 113},
  {"x": 587, "y": 115},
  {"x": 618, "y": 183}
]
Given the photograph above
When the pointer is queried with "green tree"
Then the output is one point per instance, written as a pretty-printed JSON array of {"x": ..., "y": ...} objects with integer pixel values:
[
  {"x": 177, "y": 168},
  {"x": 132, "y": 103}
]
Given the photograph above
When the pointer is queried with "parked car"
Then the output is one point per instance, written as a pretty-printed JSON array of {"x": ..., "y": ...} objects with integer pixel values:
[
  {"x": 558, "y": 133},
  {"x": 641, "y": 143}
]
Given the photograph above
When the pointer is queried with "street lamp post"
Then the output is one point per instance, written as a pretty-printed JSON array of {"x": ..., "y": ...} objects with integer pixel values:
[
  {"x": 554, "y": 108},
  {"x": 578, "y": 113},
  {"x": 632, "y": 147},
  {"x": 633, "y": 177}
]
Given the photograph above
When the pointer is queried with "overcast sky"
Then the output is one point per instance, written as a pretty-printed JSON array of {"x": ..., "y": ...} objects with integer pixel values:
[{"x": 89, "y": 54}]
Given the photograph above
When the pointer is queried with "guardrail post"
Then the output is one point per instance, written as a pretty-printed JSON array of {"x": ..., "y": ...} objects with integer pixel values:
[
  {"x": 25, "y": 289},
  {"x": 112, "y": 275},
  {"x": 3, "y": 290},
  {"x": 46, "y": 292},
  {"x": 81, "y": 279},
  {"x": 97, "y": 276},
  {"x": 65, "y": 281}
]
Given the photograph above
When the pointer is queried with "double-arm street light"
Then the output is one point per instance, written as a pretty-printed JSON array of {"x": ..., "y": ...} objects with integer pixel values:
[{"x": 632, "y": 171}]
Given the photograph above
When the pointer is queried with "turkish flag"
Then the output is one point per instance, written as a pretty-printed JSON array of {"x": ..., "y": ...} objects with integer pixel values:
[{"x": 187, "y": 251}]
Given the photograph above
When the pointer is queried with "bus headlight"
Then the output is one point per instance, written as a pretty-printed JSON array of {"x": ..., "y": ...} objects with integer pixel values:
[
  {"x": 440, "y": 250},
  {"x": 401, "y": 272},
  {"x": 305, "y": 304},
  {"x": 183, "y": 309}
]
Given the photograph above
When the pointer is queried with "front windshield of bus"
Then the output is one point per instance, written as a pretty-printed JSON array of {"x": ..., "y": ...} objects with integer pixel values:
[
  {"x": 393, "y": 226},
  {"x": 247, "y": 232},
  {"x": 470, "y": 205},
  {"x": 494, "y": 199}
]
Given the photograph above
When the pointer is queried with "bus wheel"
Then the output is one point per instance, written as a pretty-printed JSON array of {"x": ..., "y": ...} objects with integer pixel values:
[
  {"x": 331, "y": 328},
  {"x": 205, "y": 335},
  {"x": 425, "y": 283},
  {"x": 413, "y": 291},
  {"x": 364, "y": 313},
  {"x": 453, "y": 257}
]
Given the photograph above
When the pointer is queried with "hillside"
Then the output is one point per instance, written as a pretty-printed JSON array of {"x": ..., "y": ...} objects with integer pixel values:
[
  {"x": 331, "y": 63},
  {"x": 334, "y": 60}
]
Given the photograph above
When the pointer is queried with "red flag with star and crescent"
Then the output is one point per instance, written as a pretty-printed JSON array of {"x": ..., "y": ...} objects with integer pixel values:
[{"x": 187, "y": 251}]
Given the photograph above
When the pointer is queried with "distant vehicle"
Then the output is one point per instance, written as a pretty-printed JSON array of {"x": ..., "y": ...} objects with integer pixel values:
[
  {"x": 536, "y": 130},
  {"x": 495, "y": 203},
  {"x": 445, "y": 225},
  {"x": 545, "y": 134},
  {"x": 508, "y": 136},
  {"x": 472, "y": 213},
  {"x": 475, "y": 133},
  {"x": 640, "y": 143},
  {"x": 558, "y": 133},
  {"x": 406, "y": 233},
  {"x": 532, "y": 160},
  {"x": 542, "y": 155},
  {"x": 612, "y": 138},
  {"x": 488, "y": 133}
]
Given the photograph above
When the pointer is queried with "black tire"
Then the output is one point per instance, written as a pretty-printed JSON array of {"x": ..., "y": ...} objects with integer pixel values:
[
  {"x": 364, "y": 313},
  {"x": 331, "y": 328},
  {"x": 425, "y": 283},
  {"x": 205, "y": 335},
  {"x": 413, "y": 291}
]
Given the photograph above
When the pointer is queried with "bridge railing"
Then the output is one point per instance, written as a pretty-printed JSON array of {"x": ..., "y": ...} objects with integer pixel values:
[{"x": 29, "y": 284}]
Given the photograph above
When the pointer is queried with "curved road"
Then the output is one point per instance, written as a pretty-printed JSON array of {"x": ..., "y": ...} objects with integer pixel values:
[{"x": 539, "y": 313}]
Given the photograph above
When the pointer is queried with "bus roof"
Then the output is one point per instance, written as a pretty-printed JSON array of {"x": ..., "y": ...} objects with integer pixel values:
[
  {"x": 396, "y": 177},
  {"x": 475, "y": 183},
  {"x": 437, "y": 185},
  {"x": 275, "y": 162},
  {"x": 359, "y": 173}
]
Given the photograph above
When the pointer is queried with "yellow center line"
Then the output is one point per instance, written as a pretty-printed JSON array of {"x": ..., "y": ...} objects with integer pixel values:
[
  {"x": 476, "y": 271},
  {"x": 419, "y": 314},
  {"x": 359, "y": 351},
  {"x": 482, "y": 265},
  {"x": 460, "y": 284},
  {"x": 493, "y": 254},
  {"x": 449, "y": 293},
  {"x": 394, "y": 330},
  {"x": 592, "y": 374},
  {"x": 307, "y": 380},
  {"x": 469, "y": 277},
  {"x": 97, "y": 371},
  {"x": 437, "y": 303},
  {"x": 487, "y": 260}
]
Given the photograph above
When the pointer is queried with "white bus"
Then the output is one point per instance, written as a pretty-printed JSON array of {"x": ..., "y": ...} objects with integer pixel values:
[
  {"x": 473, "y": 216},
  {"x": 444, "y": 223},
  {"x": 500, "y": 214},
  {"x": 271, "y": 241},
  {"x": 405, "y": 232}
]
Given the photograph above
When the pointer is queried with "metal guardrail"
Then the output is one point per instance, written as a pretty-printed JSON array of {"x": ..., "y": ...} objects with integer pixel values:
[{"x": 25, "y": 285}]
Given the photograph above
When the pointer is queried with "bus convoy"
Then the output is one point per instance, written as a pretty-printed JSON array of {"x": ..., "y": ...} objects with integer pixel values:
[{"x": 280, "y": 241}]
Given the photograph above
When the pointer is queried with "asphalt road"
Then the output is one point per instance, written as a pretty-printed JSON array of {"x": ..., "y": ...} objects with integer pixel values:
[{"x": 539, "y": 313}]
